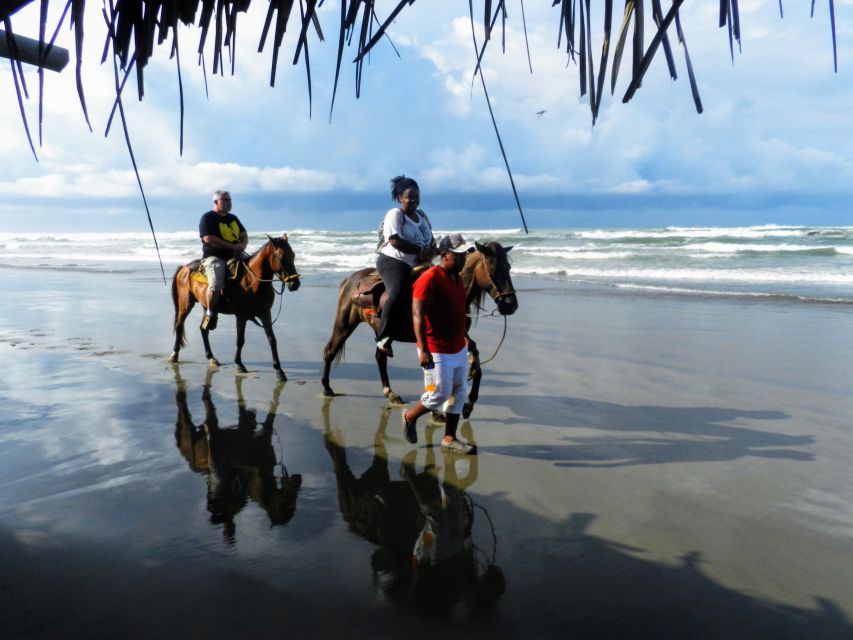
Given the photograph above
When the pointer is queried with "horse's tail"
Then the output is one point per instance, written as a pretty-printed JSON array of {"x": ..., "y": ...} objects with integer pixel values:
[
  {"x": 177, "y": 326},
  {"x": 344, "y": 325}
]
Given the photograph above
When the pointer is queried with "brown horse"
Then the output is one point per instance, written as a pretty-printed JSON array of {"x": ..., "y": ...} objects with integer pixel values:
[
  {"x": 486, "y": 271},
  {"x": 248, "y": 296},
  {"x": 239, "y": 460}
]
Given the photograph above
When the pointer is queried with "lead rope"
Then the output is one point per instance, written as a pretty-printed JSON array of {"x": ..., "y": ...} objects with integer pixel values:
[
  {"x": 280, "y": 294},
  {"x": 280, "y": 301},
  {"x": 498, "y": 348},
  {"x": 492, "y": 315}
]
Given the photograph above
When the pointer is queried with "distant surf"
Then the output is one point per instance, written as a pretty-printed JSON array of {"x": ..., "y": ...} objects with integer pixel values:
[{"x": 810, "y": 264}]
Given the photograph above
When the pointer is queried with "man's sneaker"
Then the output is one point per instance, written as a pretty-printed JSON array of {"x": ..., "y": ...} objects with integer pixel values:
[
  {"x": 457, "y": 446},
  {"x": 384, "y": 346},
  {"x": 410, "y": 432},
  {"x": 208, "y": 322}
]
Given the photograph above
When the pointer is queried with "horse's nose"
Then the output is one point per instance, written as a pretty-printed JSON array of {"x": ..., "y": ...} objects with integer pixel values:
[
  {"x": 293, "y": 285},
  {"x": 507, "y": 306}
]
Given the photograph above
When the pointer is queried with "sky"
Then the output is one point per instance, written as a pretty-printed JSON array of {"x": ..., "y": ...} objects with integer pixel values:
[{"x": 773, "y": 145}]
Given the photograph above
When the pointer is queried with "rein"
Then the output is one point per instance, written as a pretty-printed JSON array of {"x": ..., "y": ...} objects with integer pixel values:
[{"x": 284, "y": 278}]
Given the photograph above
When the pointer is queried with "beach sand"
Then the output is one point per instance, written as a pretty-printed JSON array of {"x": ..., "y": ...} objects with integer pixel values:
[{"x": 649, "y": 467}]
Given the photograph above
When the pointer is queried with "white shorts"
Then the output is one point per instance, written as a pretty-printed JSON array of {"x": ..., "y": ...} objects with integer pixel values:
[{"x": 451, "y": 382}]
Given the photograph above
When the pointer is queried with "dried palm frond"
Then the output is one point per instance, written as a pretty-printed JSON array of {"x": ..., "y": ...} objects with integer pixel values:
[{"x": 135, "y": 27}]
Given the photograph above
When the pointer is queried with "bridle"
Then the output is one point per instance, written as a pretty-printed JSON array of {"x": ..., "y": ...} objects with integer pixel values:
[
  {"x": 282, "y": 274},
  {"x": 496, "y": 293}
]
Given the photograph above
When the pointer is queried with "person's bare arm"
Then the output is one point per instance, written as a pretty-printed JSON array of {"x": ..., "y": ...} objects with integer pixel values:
[
  {"x": 419, "y": 311},
  {"x": 219, "y": 243},
  {"x": 403, "y": 245}
]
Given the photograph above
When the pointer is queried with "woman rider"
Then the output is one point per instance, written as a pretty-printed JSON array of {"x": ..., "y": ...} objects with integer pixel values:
[{"x": 406, "y": 241}]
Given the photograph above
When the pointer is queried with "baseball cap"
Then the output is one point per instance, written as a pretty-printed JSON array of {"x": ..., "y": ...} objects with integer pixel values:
[{"x": 455, "y": 243}]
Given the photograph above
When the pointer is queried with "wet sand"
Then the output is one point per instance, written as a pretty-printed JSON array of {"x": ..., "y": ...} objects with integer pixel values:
[{"x": 649, "y": 467}]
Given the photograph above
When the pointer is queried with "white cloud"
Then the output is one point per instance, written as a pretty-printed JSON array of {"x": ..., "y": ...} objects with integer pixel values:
[
  {"x": 171, "y": 180},
  {"x": 634, "y": 186}
]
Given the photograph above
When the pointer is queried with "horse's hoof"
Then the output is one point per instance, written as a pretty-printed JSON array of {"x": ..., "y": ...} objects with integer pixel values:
[
  {"x": 281, "y": 376},
  {"x": 173, "y": 357},
  {"x": 328, "y": 393},
  {"x": 467, "y": 408},
  {"x": 213, "y": 362},
  {"x": 393, "y": 398},
  {"x": 242, "y": 369}
]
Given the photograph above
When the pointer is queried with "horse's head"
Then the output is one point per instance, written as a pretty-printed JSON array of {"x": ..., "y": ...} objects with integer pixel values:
[
  {"x": 282, "y": 262},
  {"x": 489, "y": 268}
]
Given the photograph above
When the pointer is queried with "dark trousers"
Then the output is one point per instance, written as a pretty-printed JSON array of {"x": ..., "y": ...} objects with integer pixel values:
[{"x": 397, "y": 276}]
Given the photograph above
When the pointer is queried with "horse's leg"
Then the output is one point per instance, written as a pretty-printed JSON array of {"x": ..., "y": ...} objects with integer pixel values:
[
  {"x": 213, "y": 362},
  {"x": 266, "y": 321},
  {"x": 241, "y": 340},
  {"x": 347, "y": 319},
  {"x": 474, "y": 374},
  {"x": 382, "y": 362}
]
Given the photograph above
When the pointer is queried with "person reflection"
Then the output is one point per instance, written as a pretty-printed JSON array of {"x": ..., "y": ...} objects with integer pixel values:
[
  {"x": 423, "y": 526},
  {"x": 239, "y": 460}
]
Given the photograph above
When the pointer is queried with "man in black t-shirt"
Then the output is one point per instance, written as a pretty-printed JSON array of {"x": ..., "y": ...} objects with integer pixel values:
[{"x": 223, "y": 237}]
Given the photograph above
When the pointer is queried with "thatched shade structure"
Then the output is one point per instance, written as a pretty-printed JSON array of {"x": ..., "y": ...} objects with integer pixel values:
[
  {"x": 604, "y": 42},
  {"x": 134, "y": 27}
]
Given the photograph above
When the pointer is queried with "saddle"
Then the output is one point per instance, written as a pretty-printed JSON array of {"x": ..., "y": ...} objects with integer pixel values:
[
  {"x": 234, "y": 265},
  {"x": 370, "y": 291}
]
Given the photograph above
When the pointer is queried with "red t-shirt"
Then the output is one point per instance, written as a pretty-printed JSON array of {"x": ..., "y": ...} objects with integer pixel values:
[{"x": 445, "y": 318}]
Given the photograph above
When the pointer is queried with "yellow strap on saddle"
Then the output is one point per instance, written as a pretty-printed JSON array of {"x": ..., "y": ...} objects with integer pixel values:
[{"x": 234, "y": 265}]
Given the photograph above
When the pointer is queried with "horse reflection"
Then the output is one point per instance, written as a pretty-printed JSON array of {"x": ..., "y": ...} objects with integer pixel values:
[
  {"x": 239, "y": 461},
  {"x": 426, "y": 556}
]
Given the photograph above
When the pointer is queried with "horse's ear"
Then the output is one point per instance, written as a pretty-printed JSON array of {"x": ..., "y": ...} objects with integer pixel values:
[
  {"x": 284, "y": 235},
  {"x": 270, "y": 237},
  {"x": 482, "y": 248},
  {"x": 509, "y": 248}
]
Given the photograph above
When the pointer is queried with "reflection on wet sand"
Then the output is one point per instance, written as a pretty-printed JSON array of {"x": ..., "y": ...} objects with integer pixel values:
[
  {"x": 424, "y": 527},
  {"x": 239, "y": 460}
]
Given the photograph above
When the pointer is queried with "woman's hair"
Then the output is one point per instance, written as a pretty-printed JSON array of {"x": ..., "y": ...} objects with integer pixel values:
[{"x": 399, "y": 185}]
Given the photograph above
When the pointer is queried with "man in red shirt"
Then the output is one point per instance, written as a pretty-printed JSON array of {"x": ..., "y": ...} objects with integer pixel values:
[{"x": 439, "y": 316}]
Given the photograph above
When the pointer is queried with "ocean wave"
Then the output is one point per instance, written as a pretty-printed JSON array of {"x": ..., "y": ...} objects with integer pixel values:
[
  {"x": 722, "y": 248},
  {"x": 675, "y": 233},
  {"x": 734, "y": 294},
  {"x": 765, "y": 276},
  {"x": 759, "y": 258}
]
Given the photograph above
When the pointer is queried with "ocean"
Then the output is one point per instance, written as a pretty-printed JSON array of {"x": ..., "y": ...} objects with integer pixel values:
[{"x": 806, "y": 264}]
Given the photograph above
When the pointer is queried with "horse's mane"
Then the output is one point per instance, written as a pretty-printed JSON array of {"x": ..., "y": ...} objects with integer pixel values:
[{"x": 272, "y": 241}]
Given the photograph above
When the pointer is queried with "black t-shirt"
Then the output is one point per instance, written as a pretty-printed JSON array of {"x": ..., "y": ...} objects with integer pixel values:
[{"x": 227, "y": 227}]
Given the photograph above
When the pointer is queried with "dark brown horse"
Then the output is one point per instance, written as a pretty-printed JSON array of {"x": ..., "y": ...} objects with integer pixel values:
[
  {"x": 248, "y": 296},
  {"x": 486, "y": 271}
]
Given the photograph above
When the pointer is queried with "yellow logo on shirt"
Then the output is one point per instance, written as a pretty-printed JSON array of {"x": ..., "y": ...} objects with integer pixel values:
[{"x": 230, "y": 232}]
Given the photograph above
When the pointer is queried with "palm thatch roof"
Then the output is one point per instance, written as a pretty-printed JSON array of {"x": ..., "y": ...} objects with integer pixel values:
[{"x": 133, "y": 28}]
